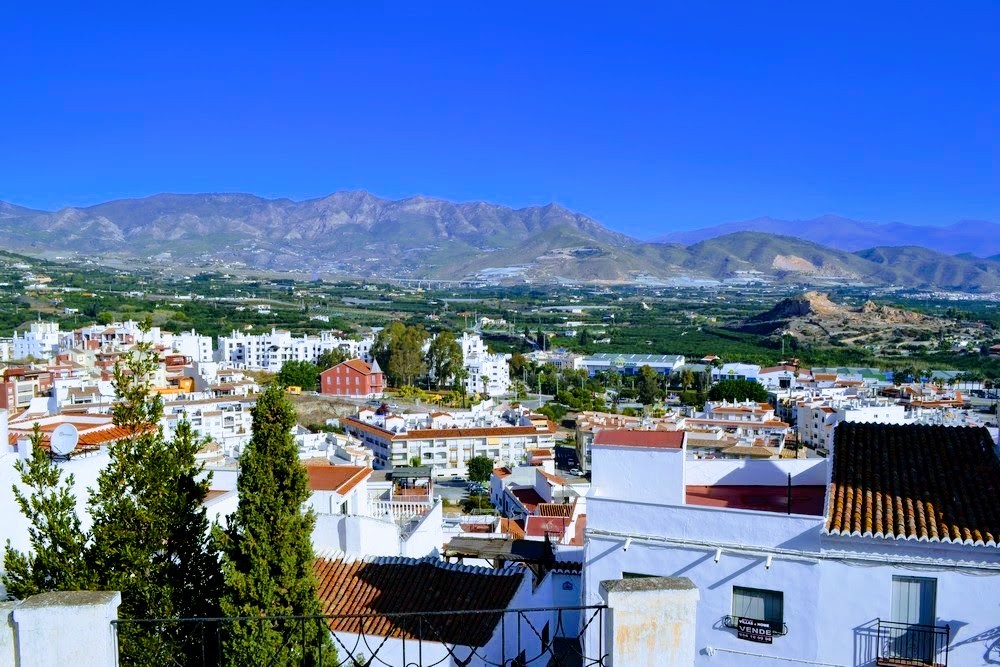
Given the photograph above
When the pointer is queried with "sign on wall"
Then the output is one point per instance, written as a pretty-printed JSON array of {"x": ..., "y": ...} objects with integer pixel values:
[{"x": 754, "y": 631}]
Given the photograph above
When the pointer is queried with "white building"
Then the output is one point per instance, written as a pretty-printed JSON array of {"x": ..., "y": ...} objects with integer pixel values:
[
  {"x": 225, "y": 421},
  {"x": 887, "y": 554},
  {"x": 629, "y": 364},
  {"x": 270, "y": 351},
  {"x": 40, "y": 341},
  {"x": 817, "y": 419},
  {"x": 447, "y": 440},
  {"x": 478, "y": 363},
  {"x": 736, "y": 372},
  {"x": 192, "y": 344}
]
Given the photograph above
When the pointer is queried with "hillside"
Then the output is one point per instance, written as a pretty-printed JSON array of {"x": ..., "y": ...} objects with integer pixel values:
[
  {"x": 357, "y": 234},
  {"x": 812, "y": 317},
  {"x": 976, "y": 237}
]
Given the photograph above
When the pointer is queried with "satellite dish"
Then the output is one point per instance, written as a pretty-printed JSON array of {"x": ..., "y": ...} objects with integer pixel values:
[{"x": 64, "y": 439}]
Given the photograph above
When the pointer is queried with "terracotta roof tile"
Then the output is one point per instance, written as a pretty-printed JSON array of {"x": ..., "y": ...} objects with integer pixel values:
[
  {"x": 339, "y": 479},
  {"x": 915, "y": 482},
  {"x": 554, "y": 509},
  {"x": 380, "y": 587}
]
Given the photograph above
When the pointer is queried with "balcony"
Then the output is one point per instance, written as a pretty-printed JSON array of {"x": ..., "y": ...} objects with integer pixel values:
[{"x": 908, "y": 645}]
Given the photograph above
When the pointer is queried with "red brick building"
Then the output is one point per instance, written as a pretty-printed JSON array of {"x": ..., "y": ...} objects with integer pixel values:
[{"x": 352, "y": 378}]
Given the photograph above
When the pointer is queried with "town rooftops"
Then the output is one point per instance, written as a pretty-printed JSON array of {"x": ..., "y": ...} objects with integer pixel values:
[
  {"x": 339, "y": 479},
  {"x": 915, "y": 482},
  {"x": 380, "y": 587},
  {"x": 647, "y": 439}
]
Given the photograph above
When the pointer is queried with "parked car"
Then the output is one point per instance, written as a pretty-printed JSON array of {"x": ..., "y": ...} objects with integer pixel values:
[
  {"x": 456, "y": 478},
  {"x": 574, "y": 471}
]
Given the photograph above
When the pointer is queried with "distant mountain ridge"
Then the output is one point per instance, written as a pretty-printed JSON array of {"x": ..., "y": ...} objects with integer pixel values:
[
  {"x": 977, "y": 237},
  {"x": 358, "y": 234}
]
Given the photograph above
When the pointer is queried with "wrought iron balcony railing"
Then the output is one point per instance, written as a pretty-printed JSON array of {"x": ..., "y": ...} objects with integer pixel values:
[
  {"x": 909, "y": 645},
  {"x": 537, "y": 637}
]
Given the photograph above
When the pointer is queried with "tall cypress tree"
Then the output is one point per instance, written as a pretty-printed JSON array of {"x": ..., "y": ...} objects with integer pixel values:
[
  {"x": 56, "y": 560},
  {"x": 151, "y": 537},
  {"x": 267, "y": 548}
]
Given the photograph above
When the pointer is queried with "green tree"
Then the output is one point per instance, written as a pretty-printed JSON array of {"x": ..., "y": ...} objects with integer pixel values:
[
  {"x": 480, "y": 468},
  {"x": 303, "y": 374},
  {"x": 151, "y": 537},
  {"x": 738, "y": 390},
  {"x": 399, "y": 351},
  {"x": 267, "y": 547},
  {"x": 444, "y": 357},
  {"x": 648, "y": 386},
  {"x": 56, "y": 560},
  {"x": 583, "y": 337},
  {"x": 330, "y": 358}
]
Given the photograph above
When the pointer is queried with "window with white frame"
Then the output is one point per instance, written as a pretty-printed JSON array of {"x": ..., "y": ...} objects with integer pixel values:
[{"x": 760, "y": 604}]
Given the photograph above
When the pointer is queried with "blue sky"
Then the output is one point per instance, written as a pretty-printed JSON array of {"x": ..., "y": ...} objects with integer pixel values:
[{"x": 645, "y": 117}]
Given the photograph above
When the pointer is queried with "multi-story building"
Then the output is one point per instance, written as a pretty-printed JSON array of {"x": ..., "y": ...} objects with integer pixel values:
[
  {"x": 480, "y": 364},
  {"x": 447, "y": 441},
  {"x": 225, "y": 421},
  {"x": 353, "y": 378},
  {"x": 886, "y": 554},
  {"x": 817, "y": 420},
  {"x": 270, "y": 351},
  {"x": 40, "y": 341}
]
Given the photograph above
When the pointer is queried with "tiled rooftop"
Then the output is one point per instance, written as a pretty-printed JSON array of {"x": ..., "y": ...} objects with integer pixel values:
[
  {"x": 397, "y": 585},
  {"x": 339, "y": 479},
  {"x": 915, "y": 482}
]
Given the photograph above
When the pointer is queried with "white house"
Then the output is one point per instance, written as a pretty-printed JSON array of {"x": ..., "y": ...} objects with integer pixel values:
[{"x": 885, "y": 555}]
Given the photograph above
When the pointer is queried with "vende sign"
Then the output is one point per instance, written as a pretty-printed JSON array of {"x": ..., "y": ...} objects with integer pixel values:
[{"x": 754, "y": 631}]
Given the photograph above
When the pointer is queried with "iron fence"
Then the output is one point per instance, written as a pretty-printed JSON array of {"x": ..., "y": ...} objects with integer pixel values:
[
  {"x": 906, "y": 645},
  {"x": 536, "y": 637}
]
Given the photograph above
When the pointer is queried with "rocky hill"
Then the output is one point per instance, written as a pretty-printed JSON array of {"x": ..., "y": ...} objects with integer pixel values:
[{"x": 813, "y": 317}]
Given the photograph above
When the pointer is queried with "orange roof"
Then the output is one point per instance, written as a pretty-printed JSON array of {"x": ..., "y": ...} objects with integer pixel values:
[
  {"x": 554, "y": 479},
  {"x": 915, "y": 482},
  {"x": 645, "y": 439},
  {"x": 362, "y": 596},
  {"x": 339, "y": 479},
  {"x": 540, "y": 526},
  {"x": 359, "y": 365},
  {"x": 554, "y": 509},
  {"x": 512, "y": 528}
]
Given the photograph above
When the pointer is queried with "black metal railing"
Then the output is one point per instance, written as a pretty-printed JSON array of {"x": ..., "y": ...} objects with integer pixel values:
[
  {"x": 537, "y": 637},
  {"x": 904, "y": 644}
]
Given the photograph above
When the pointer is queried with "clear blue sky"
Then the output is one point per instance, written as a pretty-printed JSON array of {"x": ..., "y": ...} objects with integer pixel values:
[{"x": 646, "y": 117}]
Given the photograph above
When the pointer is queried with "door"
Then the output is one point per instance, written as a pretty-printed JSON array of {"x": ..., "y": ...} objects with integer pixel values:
[{"x": 913, "y": 609}]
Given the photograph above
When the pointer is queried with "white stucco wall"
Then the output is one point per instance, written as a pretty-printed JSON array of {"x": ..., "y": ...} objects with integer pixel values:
[
  {"x": 628, "y": 473},
  {"x": 755, "y": 473},
  {"x": 828, "y": 601}
]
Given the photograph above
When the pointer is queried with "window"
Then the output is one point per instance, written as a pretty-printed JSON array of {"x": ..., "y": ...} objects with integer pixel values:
[
  {"x": 760, "y": 605},
  {"x": 913, "y": 600}
]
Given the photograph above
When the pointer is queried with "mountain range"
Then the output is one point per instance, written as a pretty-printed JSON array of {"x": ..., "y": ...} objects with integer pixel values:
[
  {"x": 976, "y": 237},
  {"x": 360, "y": 235}
]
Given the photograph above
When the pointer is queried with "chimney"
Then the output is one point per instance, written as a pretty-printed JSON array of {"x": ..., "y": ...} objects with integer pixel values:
[{"x": 24, "y": 447}]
